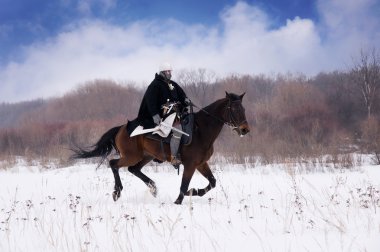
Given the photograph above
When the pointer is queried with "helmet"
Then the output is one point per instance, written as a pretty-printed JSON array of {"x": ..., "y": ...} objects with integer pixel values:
[{"x": 165, "y": 66}]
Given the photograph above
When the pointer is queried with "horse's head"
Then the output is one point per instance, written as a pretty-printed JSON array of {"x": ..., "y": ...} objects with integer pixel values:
[{"x": 235, "y": 114}]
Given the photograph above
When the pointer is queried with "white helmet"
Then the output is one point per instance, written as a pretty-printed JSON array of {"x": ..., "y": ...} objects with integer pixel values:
[{"x": 165, "y": 66}]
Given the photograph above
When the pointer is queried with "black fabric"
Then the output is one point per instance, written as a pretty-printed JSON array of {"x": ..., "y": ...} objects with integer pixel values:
[
  {"x": 157, "y": 94},
  {"x": 132, "y": 125}
]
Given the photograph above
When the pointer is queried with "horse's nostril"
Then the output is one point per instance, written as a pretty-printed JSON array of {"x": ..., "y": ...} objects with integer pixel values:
[{"x": 245, "y": 131}]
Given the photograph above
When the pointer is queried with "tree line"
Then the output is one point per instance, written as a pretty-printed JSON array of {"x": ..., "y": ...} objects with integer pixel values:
[{"x": 291, "y": 116}]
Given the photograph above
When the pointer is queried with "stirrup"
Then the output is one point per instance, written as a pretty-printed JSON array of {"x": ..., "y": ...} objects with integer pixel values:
[{"x": 176, "y": 162}]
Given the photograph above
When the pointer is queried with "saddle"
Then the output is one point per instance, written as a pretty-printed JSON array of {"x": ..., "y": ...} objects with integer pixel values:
[{"x": 187, "y": 123}]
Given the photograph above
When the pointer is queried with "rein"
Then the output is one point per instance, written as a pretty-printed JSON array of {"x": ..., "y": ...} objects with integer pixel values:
[{"x": 228, "y": 123}]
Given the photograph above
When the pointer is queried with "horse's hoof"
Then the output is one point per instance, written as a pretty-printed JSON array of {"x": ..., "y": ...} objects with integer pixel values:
[
  {"x": 178, "y": 202},
  {"x": 116, "y": 195},
  {"x": 153, "y": 189},
  {"x": 192, "y": 192},
  {"x": 201, "y": 192},
  {"x": 179, "y": 199}
]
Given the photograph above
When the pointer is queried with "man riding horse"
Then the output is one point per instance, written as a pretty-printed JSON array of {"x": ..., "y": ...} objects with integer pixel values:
[
  {"x": 138, "y": 150},
  {"x": 163, "y": 90}
]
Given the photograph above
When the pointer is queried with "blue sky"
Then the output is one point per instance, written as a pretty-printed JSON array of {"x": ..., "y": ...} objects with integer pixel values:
[
  {"x": 27, "y": 21},
  {"x": 49, "y": 47}
]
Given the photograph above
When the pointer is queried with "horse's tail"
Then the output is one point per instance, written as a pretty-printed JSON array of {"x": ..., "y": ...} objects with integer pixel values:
[{"x": 102, "y": 148}]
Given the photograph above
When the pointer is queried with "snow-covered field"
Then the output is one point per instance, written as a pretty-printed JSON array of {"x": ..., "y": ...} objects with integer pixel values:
[{"x": 262, "y": 208}]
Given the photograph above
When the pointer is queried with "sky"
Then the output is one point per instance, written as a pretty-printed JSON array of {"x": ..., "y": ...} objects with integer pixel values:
[{"x": 48, "y": 48}]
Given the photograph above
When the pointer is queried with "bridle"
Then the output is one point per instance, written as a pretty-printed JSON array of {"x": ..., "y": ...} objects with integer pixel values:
[{"x": 231, "y": 121}]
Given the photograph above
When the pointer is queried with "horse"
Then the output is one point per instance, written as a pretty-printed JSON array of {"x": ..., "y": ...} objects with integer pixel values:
[{"x": 135, "y": 152}]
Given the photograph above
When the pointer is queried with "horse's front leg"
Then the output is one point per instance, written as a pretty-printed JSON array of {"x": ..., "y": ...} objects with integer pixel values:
[
  {"x": 188, "y": 173},
  {"x": 205, "y": 170}
]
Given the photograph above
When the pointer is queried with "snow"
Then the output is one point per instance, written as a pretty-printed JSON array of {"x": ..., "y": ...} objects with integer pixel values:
[{"x": 253, "y": 208}]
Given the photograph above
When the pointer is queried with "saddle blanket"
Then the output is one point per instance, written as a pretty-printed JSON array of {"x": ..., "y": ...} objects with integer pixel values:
[{"x": 163, "y": 129}]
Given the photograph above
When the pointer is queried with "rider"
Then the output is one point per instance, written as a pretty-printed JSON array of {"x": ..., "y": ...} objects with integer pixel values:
[{"x": 161, "y": 91}]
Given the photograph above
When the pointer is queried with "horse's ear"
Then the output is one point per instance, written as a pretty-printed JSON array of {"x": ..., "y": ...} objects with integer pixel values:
[
  {"x": 227, "y": 94},
  {"x": 241, "y": 96}
]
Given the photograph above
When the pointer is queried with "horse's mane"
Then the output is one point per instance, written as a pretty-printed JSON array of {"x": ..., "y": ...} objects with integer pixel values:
[
  {"x": 216, "y": 103},
  {"x": 232, "y": 97}
]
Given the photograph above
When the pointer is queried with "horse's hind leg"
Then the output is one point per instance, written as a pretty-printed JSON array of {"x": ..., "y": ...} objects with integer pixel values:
[
  {"x": 118, "y": 185},
  {"x": 115, "y": 164},
  {"x": 136, "y": 170},
  {"x": 204, "y": 169}
]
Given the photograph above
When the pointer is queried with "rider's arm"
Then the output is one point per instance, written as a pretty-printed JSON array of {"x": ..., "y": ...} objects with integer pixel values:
[
  {"x": 156, "y": 119},
  {"x": 182, "y": 96}
]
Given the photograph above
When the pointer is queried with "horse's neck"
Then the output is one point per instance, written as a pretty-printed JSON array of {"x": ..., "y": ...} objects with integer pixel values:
[{"x": 211, "y": 122}]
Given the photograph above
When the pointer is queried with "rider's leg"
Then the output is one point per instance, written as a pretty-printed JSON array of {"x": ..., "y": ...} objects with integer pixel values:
[{"x": 174, "y": 145}]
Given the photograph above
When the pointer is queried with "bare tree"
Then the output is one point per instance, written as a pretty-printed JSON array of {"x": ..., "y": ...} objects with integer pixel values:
[
  {"x": 366, "y": 75},
  {"x": 196, "y": 83}
]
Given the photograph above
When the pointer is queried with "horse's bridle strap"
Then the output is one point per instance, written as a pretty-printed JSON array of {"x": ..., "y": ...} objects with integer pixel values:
[{"x": 229, "y": 123}]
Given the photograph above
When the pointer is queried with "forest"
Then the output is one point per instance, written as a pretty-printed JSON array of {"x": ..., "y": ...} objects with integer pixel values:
[{"x": 292, "y": 116}]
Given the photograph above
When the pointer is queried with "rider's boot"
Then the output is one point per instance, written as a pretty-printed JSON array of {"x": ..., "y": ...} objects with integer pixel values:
[{"x": 174, "y": 146}]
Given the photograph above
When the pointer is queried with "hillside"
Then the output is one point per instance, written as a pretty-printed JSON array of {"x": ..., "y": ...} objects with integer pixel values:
[
  {"x": 11, "y": 114},
  {"x": 291, "y": 116}
]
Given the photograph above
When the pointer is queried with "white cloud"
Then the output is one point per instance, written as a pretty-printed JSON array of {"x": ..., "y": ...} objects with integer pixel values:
[
  {"x": 84, "y": 7},
  {"x": 243, "y": 42},
  {"x": 348, "y": 25}
]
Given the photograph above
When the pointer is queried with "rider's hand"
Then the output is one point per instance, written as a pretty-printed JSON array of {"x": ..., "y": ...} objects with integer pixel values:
[
  {"x": 156, "y": 119},
  {"x": 187, "y": 101}
]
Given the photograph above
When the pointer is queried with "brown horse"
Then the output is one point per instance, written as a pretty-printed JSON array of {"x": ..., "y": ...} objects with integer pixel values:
[{"x": 137, "y": 151}]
